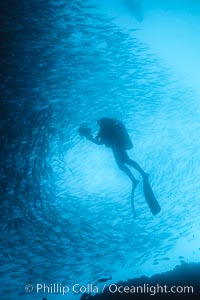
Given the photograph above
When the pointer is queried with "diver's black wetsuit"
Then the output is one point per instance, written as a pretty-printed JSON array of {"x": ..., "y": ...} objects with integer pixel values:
[
  {"x": 122, "y": 158},
  {"x": 111, "y": 134},
  {"x": 109, "y": 137}
]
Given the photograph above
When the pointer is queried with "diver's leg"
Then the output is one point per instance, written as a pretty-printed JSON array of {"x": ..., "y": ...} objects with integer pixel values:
[
  {"x": 121, "y": 166},
  {"x": 128, "y": 173},
  {"x": 134, "y": 164}
]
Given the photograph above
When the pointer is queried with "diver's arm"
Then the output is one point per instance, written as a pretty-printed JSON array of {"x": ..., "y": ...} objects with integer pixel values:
[{"x": 94, "y": 140}]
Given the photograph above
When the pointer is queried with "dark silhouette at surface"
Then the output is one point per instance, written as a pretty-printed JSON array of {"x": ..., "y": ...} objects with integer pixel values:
[
  {"x": 113, "y": 134},
  {"x": 135, "y": 8}
]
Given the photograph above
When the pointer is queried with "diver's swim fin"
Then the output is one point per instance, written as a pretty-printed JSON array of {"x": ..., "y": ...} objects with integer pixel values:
[{"x": 150, "y": 197}]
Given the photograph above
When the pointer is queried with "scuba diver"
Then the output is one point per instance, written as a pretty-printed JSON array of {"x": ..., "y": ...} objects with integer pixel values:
[{"x": 113, "y": 134}]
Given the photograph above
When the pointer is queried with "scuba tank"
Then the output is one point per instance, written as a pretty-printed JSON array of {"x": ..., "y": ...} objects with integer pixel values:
[
  {"x": 123, "y": 136},
  {"x": 113, "y": 133}
]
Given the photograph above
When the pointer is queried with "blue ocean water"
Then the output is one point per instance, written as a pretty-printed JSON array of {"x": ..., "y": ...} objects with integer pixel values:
[{"x": 66, "y": 213}]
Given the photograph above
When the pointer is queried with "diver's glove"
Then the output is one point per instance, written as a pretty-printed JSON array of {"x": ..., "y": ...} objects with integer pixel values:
[{"x": 84, "y": 130}]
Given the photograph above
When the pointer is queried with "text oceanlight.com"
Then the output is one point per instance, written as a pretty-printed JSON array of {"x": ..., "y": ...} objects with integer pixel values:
[
  {"x": 111, "y": 288},
  {"x": 150, "y": 289}
]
